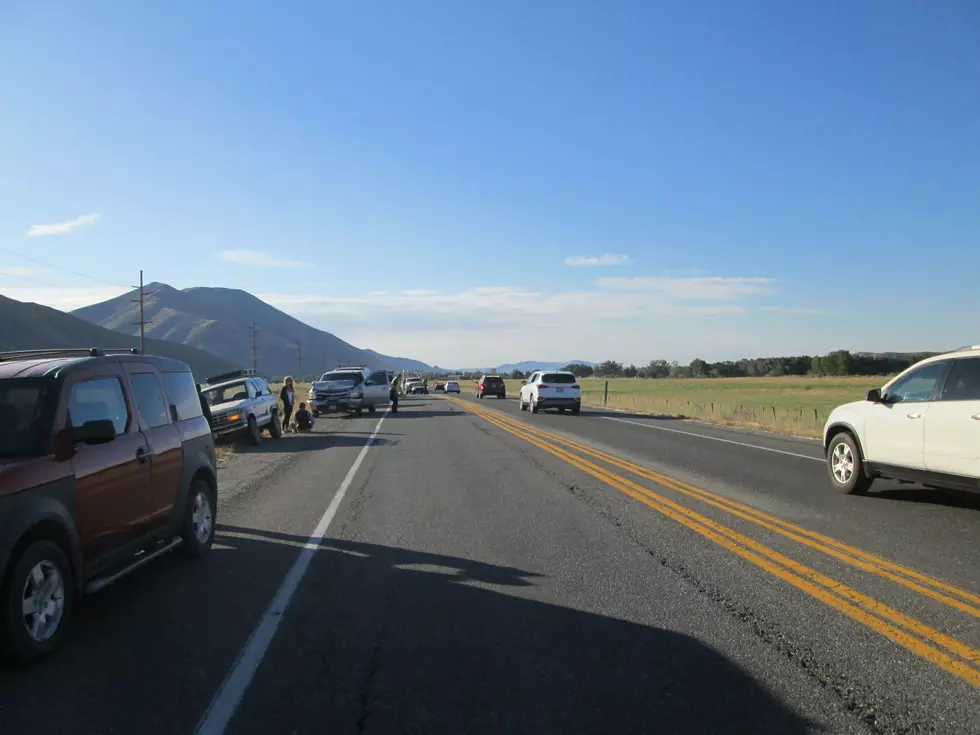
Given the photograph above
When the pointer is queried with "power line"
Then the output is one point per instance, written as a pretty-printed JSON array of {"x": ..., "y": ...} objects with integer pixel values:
[{"x": 66, "y": 270}]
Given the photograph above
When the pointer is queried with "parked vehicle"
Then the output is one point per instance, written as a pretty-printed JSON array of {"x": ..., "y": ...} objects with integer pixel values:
[
  {"x": 452, "y": 387},
  {"x": 491, "y": 385},
  {"x": 106, "y": 462},
  {"x": 922, "y": 426},
  {"x": 349, "y": 389},
  {"x": 411, "y": 383},
  {"x": 242, "y": 406},
  {"x": 558, "y": 390},
  {"x": 439, "y": 388},
  {"x": 417, "y": 388}
]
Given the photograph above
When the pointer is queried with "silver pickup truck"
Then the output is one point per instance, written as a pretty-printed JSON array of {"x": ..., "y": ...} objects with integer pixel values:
[
  {"x": 349, "y": 389},
  {"x": 242, "y": 405}
]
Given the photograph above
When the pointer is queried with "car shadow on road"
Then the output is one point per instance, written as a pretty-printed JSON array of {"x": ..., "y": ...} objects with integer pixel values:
[
  {"x": 588, "y": 411},
  {"x": 928, "y": 495},
  {"x": 442, "y": 644},
  {"x": 315, "y": 440}
]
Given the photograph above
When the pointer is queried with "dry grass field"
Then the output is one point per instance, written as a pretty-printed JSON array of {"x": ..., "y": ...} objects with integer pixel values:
[{"x": 792, "y": 405}]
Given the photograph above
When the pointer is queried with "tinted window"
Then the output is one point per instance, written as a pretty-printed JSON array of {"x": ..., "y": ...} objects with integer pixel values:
[
  {"x": 25, "y": 416},
  {"x": 492, "y": 380},
  {"x": 919, "y": 385},
  {"x": 149, "y": 399},
  {"x": 378, "y": 378},
  {"x": 182, "y": 394},
  {"x": 963, "y": 383},
  {"x": 98, "y": 400},
  {"x": 558, "y": 378}
]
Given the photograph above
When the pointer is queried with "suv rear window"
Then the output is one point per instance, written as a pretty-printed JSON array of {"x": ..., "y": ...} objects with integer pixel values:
[
  {"x": 492, "y": 380},
  {"x": 558, "y": 378},
  {"x": 25, "y": 416}
]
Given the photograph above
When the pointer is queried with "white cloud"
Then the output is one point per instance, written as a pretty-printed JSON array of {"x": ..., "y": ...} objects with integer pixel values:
[
  {"x": 62, "y": 228},
  {"x": 377, "y": 293},
  {"x": 418, "y": 292},
  {"x": 800, "y": 310},
  {"x": 712, "y": 288},
  {"x": 16, "y": 270},
  {"x": 595, "y": 261},
  {"x": 64, "y": 299},
  {"x": 257, "y": 259}
]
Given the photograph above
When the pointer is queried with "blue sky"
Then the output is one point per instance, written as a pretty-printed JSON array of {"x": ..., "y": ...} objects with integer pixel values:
[{"x": 760, "y": 177}]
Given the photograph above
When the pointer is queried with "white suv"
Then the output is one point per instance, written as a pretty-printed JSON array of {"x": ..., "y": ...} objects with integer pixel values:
[
  {"x": 922, "y": 426},
  {"x": 551, "y": 390}
]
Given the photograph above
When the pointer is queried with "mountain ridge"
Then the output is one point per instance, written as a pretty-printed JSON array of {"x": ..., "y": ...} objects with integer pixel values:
[{"x": 220, "y": 321}]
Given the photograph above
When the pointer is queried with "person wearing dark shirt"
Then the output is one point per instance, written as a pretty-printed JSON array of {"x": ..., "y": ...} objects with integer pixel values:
[
  {"x": 205, "y": 408},
  {"x": 288, "y": 398},
  {"x": 304, "y": 421}
]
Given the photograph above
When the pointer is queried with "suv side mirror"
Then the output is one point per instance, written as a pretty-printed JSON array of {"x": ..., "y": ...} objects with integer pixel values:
[
  {"x": 874, "y": 396},
  {"x": 523, "y": 382},
  {"x": 101, "y": 431}
]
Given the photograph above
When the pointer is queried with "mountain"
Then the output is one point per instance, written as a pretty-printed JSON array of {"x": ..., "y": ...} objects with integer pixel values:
[
  {"x": 32, "y": 326},
  {"x": 220, "y": 320},
  {"x": 509, "y": 367}
]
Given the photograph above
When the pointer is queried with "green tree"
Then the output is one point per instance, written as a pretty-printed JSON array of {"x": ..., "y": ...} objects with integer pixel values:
[
  {"x": 630, "y": 372},
  {"x": 698, "y": 368},
  {"x": 610, "y": 369}
]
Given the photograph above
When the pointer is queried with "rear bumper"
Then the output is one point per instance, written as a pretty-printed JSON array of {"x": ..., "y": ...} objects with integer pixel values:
[
  {"x": 501, "y": 393},
  {"x": 557, "y": 402}
]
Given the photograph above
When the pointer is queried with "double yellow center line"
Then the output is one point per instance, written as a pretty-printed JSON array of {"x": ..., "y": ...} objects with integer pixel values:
[{"x": 943, "y": 650}]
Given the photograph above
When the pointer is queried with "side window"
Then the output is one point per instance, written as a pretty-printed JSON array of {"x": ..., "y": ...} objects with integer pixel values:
[
  {"x": 149, "y": 399},
  {"x": 378, "y": 378},
  {"x": 98, "y": 400},
  {"x": 963, "y": 383},
  {"x": 250, "y": 386},
  {"x": 182, "y": 392},
  {"x": 917, "y": 386},
  {"x": 263, "y": 387}
]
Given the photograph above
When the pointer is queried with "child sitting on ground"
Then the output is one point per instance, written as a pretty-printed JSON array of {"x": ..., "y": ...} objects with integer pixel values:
[{"x": 302, "y": 420}]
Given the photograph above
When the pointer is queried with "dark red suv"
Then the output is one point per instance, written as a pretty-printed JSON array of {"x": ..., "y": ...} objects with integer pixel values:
[
  {"x": 491, "y": 385},
  {"x": 106, "y": 461}
]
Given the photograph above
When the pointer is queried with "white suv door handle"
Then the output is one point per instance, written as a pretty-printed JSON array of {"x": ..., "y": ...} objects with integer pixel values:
[{"x": 913, "y": 415}]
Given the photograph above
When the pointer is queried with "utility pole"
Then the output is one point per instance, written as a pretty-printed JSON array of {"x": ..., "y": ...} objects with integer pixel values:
[
  {"x": 255, "y": 348},
  {"x": 142, "y": 322},
  {"x": 299, "y": 361}
]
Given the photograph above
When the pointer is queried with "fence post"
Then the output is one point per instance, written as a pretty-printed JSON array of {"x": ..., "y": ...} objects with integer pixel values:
[
  {"x": 815, "y": 415},
  {"x": 773, "y": 413},
  {"x": 605, "y": 395}
]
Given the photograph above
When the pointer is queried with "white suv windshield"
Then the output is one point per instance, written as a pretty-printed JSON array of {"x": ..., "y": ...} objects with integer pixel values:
[{"x": 356, "y": 377}]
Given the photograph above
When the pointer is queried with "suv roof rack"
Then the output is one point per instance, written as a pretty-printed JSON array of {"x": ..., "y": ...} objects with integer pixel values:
[
  {"x": 350, "y": 367},
  {"x": 243, "y": 373},
  {"x": 967, "y": 347},
  {"x": 68, "y": 352}
]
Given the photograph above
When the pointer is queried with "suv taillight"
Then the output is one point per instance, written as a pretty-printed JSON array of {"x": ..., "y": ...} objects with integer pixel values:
[
  {"x": 574, "y": 386},
  {"x": 543, "y": 385}
]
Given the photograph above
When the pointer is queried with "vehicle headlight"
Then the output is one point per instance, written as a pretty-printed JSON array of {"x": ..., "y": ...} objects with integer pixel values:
[
  {"x": 356, "y": 393},
  {"x": 234, "y": 417}
]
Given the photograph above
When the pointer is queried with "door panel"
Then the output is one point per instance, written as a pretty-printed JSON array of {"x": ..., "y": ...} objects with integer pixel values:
[
  {"x": 952, "y": 435},
  {"x": 112, "y": 479},
  {"x": 894, "y": 434},
  {"x": 163, "y": 438}
]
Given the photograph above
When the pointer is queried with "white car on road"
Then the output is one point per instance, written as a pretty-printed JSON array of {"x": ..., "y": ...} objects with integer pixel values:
[
  {"x": 922, "y": 426},
  {"x": 452, "y": 387},
  {"x": 557, "y": 389}
]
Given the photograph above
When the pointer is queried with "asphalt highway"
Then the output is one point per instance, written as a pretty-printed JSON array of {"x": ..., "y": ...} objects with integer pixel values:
[{"x": 463, "y": 567}]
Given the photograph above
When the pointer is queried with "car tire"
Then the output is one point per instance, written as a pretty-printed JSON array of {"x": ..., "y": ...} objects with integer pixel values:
[
  {"x": 561, "y": 409},
  {"x": 253, "y": 433},
  {"x": 575, "y": 410},
  {"x": 19, "y": 644},
  {"x": 275, "y": 426},
  {"x": 200, "y": 515},
  {"x": 372, "y": 408},
  {"x": 534, "y": 406},
  {"x": 520, "y": 400},
  {"x": 845, "y": 467},
  {"x": 358, "y": 411},
  {"x": 480, "y": 396}
]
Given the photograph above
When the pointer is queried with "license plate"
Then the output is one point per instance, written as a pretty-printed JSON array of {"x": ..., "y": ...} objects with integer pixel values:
[{"x": 559, "y": 390}]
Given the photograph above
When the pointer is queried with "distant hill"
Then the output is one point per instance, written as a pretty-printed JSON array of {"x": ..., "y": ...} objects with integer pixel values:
[
  {"x": 219, "y": 320},
  {"x": 32, "y": 326},
  {"x": 509, "y": 367}
]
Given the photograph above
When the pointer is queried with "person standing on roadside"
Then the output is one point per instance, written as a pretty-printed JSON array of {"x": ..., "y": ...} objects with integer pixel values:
[
  {"x": 288, "y": 398},
  {"x": 393, "y": 393}
]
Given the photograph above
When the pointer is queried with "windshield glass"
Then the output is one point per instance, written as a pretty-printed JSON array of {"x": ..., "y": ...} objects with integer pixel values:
[
  {"x": 226, "y": 393},
  {"x": 357, "y": 378},
  {"x": 25, "y": 416},
  {"x": 492, "y": 380}
]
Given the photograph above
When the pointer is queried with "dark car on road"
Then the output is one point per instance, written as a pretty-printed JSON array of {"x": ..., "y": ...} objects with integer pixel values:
[
  {"x": 491, "y": 385},
  {"x": 106, "y": 462}
]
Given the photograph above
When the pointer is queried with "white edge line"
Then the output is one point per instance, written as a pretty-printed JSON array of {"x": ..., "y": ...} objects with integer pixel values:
[
  {"x": 229, "y": 695},
  {"x": 715, "y": 439}
]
